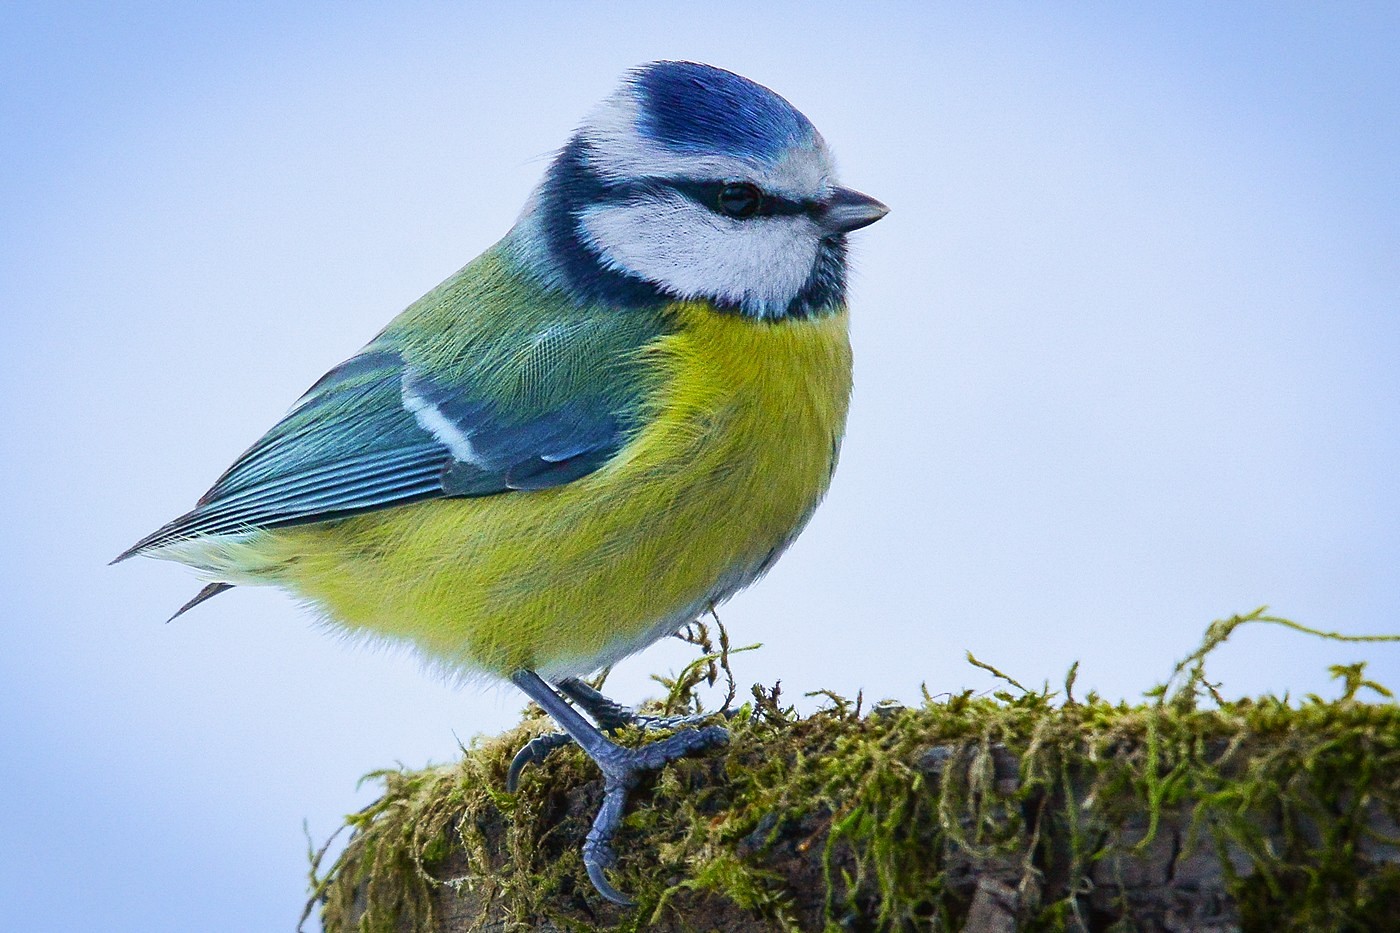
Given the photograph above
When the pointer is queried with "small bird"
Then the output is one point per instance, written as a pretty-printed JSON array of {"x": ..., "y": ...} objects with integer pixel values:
[{"x": 606, "y": 424}]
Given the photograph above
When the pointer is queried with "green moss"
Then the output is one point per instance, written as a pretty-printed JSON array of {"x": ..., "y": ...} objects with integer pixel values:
[{"x": 887, "y": 820}]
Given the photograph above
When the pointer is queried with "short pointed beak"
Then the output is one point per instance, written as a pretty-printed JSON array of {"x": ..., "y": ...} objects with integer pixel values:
[{"x": 846, "y": 210}]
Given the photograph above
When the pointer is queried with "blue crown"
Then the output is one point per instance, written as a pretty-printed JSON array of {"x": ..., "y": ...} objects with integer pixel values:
[{"x": 695, "y": 108}]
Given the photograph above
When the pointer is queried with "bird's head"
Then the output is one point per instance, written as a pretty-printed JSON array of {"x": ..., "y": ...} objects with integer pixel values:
[{"x": 691, "y": 182}]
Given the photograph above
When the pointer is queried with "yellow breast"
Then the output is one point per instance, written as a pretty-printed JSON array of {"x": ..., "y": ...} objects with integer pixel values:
[{"x": 740, "y": 438}]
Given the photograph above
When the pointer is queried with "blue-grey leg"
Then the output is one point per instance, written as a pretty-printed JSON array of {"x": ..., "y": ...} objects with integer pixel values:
[
  {"x": 621, "y": 769},
  {"x": 610, "y": 716}
]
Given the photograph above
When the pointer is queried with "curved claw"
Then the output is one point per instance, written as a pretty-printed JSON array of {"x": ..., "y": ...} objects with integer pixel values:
[
  {"x": 604, "y": 887},
  {"x": 533, "y": 752},
  {"x": 597, "y": 847}
]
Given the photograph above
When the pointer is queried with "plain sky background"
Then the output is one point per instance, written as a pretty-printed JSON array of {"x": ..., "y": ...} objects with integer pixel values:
[{"x": 1126, "y": 362}]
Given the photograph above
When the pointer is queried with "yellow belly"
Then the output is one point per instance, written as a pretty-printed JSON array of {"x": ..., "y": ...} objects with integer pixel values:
[{"x": 738, "y": 448}]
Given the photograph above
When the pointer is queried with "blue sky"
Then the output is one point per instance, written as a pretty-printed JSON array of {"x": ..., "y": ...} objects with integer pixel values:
[{"x": 1126, "y": 362}]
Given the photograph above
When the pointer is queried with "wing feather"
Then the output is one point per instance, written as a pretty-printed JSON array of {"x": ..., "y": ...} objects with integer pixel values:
[{"x": 523, "y": 412}]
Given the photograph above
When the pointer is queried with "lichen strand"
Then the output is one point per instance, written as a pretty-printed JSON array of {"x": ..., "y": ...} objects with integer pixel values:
[{"x": 1020, "y": 810}]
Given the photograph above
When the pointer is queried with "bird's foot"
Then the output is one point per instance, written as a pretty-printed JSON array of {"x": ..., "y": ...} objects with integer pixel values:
[
  {"x": 622, "y": 768},
  {"x": 539, "y": 748},
  {"x": 610, "y": 716}
]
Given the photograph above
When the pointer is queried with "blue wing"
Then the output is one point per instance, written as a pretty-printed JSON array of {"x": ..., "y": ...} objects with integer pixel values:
[{"x": 378, "y": 431}]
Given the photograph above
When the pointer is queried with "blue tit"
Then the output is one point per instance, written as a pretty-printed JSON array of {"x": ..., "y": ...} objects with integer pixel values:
[{"x": 610, "y": 421}]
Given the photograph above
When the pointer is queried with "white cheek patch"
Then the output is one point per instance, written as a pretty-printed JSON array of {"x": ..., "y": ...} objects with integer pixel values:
[{"x": 760, "y": 264}]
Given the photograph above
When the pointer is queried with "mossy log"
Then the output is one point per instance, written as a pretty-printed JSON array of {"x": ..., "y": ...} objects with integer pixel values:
[{"x": 1018, "y": 811}]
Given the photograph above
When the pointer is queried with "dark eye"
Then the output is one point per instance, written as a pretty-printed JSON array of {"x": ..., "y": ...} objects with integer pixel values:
[{"x": 740, "y": 199}]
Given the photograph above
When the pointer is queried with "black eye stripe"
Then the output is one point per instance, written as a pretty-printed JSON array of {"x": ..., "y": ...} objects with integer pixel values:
[{"x": 707, "y": 194}]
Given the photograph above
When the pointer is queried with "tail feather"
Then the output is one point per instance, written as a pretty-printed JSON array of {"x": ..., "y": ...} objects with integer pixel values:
[{"x": 209, "y": 592}]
